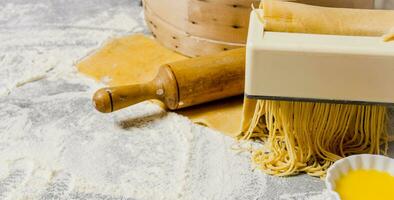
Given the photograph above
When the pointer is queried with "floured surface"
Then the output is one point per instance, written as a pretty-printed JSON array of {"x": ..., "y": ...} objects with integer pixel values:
[
  {"x": 144, "y": 153},
  {"x": 57, "y": 145},
  {"x": 54, "y": 145}
]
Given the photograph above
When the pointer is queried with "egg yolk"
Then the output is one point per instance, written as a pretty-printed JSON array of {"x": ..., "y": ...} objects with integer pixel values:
[{"x": 366, "y": 184}]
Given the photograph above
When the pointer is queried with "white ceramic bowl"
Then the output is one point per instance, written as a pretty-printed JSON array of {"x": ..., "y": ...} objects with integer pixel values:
[{"x": 362, "y": 161}]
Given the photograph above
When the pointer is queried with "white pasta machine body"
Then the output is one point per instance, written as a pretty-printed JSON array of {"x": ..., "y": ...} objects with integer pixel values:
[{"x": 322, "y": 68}]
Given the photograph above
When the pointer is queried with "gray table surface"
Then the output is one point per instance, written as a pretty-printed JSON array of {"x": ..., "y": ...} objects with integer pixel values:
[{"x": 45, "y": 100}]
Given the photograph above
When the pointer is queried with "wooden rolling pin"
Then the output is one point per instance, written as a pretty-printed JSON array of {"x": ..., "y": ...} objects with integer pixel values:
[{"x": 182, "y": 84}]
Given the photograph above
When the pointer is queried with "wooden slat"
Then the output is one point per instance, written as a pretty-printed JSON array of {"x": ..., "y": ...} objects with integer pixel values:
[
  {"x": 220, "y": 20},
  {"x": 202, "y": 27},
  {"x": 183, "y": 42}
]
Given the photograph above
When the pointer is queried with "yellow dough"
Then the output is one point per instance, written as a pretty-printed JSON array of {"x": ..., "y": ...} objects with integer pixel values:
[
  {"x": 136, "y": 59},
  {"x": 389, "y": 36},
  {"x": 223, "y": 115},
  {"x": 283, "y": 16},
  {"x": 128, "y": 60}
]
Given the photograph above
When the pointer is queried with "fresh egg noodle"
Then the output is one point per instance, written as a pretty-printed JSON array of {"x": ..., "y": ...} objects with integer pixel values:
[{"x": 308, "y": 137}]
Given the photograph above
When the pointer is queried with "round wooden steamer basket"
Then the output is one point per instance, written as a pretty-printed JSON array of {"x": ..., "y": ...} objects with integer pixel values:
[
  {"x": 199, "y": 27},
  {"x": 203, "y": 27}
]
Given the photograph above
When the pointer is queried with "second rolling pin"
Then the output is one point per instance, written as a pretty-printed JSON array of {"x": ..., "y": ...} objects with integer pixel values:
[{"x": 182, "y": 84}]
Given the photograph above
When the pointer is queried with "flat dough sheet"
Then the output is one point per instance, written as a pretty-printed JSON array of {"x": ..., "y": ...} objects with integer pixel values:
[
  {"x": 135, "y": 59},
  {"x": 281, "y": 16}
]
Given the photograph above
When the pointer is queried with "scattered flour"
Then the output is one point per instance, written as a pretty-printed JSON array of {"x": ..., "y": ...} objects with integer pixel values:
[
  {"x": 54, "y": 145},
  {"x": 325, "y": 195},
  {"x": 72, "y": 152}
]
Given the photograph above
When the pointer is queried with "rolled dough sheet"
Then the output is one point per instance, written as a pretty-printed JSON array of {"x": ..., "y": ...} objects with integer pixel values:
[
  {"x": 223, "y": 115},
  {"x": 128, "y": 60},
  {"x": 136, "y": 59},
  {"x": 282, "y": 16}
]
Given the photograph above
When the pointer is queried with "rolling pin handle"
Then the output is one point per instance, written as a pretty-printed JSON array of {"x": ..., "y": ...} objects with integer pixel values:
[
  {"x": 102, "y": 100},
  {"x": 111, "y": 99},
  {"x": 162, "y": 88}
]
